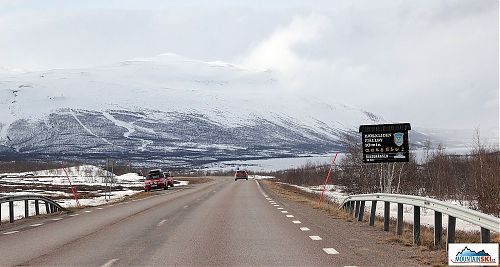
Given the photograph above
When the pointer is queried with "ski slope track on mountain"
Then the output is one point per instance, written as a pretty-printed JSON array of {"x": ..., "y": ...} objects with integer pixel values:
[{"x": 165, "y": 109}]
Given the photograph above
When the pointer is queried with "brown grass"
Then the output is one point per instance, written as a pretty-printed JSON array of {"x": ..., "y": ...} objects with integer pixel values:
[{"x": 428, "y": 256}]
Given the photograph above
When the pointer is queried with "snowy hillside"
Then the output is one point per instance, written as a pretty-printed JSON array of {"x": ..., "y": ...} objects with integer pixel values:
[{"x": 165, "y": 109}]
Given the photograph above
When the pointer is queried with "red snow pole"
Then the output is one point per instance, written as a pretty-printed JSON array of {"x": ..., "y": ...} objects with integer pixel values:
[
  {"x": 72, "y": 189},
  {"x": 327, "y": 178}
]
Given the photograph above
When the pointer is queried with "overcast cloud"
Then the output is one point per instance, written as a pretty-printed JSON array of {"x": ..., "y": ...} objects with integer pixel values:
[{"x": 433, "y": 63}]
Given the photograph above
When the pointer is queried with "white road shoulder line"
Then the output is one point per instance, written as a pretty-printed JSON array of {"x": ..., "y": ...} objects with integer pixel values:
[
  {"x": 11, "y": 232},
  {"x": 36, "y": 224},
  {"x": 109, "y": 263},
  {"x": 315, "y": 237},
  {"x": 330, "y": 251},
  {"x": 304, "y": 229},
  {"x": 296, "y": 222}
]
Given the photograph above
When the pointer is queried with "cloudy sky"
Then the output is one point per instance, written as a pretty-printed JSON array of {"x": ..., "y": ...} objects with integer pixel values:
[{"x": 433, "y": 63}]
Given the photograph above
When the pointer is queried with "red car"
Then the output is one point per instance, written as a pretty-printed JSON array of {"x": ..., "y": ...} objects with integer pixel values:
[
  {"x": 155, "y": 179},
  {"x": 241, "y": 175}
]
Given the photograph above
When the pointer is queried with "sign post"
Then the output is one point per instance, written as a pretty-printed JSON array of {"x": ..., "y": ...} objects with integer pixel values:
[{"x": 385, "y": 142}]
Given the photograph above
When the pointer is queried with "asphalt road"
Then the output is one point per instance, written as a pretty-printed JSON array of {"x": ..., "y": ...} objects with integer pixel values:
[{"x": 218, "y": 223}]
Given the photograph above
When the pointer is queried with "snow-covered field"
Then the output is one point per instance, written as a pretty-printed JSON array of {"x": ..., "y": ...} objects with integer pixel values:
[
  {"x": 89, "y": 182},
  {"x": 334, "y": 193}
]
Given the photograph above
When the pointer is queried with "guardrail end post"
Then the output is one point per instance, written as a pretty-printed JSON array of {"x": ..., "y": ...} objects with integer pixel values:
[
  {"x": 11, "y": 211},
  {"x": 485, "y": 235},
  {"x": 372, "y": 212},
  {"x": 416, "y": 225},
  {"x": 452, "y": 222},
  {"x": 438, "y": 229},
  {"x": 387, "y": 210},
  {"x": 399, "y": 229},
  {"x": 361, "y": 211}
]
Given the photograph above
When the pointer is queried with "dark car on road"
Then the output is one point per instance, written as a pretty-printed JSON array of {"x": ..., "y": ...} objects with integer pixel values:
[
  {"x": 241, "y": 175},
  {"x": 155, "y": 179}
]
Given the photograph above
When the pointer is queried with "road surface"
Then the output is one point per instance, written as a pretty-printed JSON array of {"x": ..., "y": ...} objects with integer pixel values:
[{"x": 218, "y": 223}]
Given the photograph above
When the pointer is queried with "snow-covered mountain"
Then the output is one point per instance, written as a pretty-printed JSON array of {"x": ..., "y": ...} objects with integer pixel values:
[{"x": 165, "y": 109}]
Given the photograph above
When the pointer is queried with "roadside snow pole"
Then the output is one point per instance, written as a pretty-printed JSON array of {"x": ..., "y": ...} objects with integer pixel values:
[
  {"x": 327, "y": 178},
  {"x": 72, "y": 188}
]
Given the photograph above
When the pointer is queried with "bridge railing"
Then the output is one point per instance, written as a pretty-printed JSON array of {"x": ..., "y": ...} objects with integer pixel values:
[
  {"x": 50, "y": 205},
  {"x": 355, "y": 204}
]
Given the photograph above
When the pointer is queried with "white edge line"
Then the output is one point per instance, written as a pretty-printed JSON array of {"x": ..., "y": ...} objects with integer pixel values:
[
  {"x": 330, "y": 251},
  {"x": 315, "y": 237}
]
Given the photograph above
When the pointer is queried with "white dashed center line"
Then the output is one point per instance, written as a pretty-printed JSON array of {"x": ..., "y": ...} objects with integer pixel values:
[
  {"x": 73, "y": 215},
  {"x": 88, "y": 211},
  {"x": 315, "y": 237},
  {"x": 186, "y": 206},
  {"x": 289, "y": 216},
  {"x": 284, "y": 211},
  {"x": 296, "y": 222},
  {"x": 99, "y": 208},
  {"x": 280, "y": 208},
  {"x": 11, "y": 232},
  {"x": 56, "y": 219},
  {"x": 36, "y": 224},
  {"x": 161, "y": 223},
  {"x": 330, "y": 251},
  {"x": 304, "y": 229},
  {"x": 276, "y": 205}
]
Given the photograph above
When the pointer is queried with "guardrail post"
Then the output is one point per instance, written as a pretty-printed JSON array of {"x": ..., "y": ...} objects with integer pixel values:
[
  {"x": 47, "y": 207},
  {"x": 356, "y": 210},
  {"x": 438, "y": 228},
  {"x": 11, "y": 211},
  {"x": 26, "y": 209},
  {"x": 387, "y": 209},
  {"x": 361, "y": 211},
  {"x": 372, "y": 212},
  {"x": 399, "y": 229},
  {"x": 452, "y": 222},
  {"x": 416, "y": 225},
  {"x": 351, "y": 208},
  {"x": 37, "y": 208},
  {"x": 485, "y": 235},
  {"x": 0, "y": 213}
]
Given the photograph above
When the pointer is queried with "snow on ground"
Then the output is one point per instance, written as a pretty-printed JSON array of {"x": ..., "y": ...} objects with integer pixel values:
[
  {"x": 86, "y": 179},
  {"x": 334, "y": 193}
]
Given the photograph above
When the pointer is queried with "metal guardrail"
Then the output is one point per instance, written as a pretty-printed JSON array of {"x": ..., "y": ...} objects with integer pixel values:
[
  {"x": 50, "y": 205},
  {"x": 356, "y": 204}
]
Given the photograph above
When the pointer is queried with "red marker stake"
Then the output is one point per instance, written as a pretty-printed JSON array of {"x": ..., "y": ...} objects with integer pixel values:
[
  {"x": 327, "y": 178},
  {"x": 72, "y": 188}
]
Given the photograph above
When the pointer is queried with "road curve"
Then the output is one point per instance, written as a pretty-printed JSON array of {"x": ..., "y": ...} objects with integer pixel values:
[{"x": 223, "y": 222}]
